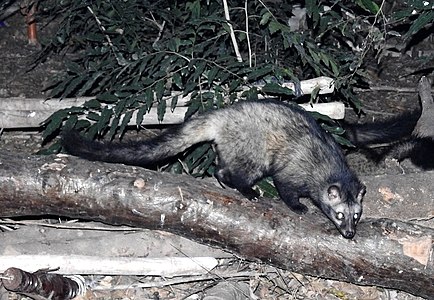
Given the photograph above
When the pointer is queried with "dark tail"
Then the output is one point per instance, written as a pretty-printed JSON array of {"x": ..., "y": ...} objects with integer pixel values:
[
  {"x": 74, "y": 143},
  {"x": 139, "y": 153},
  {"x": 388, "y": 131}
]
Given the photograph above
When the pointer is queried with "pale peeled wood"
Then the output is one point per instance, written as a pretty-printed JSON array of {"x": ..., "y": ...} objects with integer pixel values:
[
  {"x": 81, "y": 264},
  {"x": 31, "y": 112}
]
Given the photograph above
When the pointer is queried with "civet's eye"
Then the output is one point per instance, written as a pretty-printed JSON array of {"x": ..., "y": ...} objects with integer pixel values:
[
  {"x": 356, "y": 216},
  {"x": 340, "y": 216}
]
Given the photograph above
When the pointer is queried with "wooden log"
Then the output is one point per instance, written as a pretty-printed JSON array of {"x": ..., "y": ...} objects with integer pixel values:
[
  {"x": 31, "y": 112},
  {"x": 94, "y": 238},
  {"x": 82, "y": 264},
  {"x": 385, "y": 252}
]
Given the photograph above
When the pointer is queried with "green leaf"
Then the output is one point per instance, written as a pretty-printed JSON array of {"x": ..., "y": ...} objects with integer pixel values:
[
  {"x": 161, "y": 110},
  {"x": 176, "y": 168},
  {"x": 92, "y": 132},
  {"x": 125, "y": 120},
  {"x": 174, "y": 44},
  {"x": 265, "y": 18},
  {"x": 424, "y": 18},
  {"x": 113, "y": 128},
  {"x": 190, "y": 86},
  {"x": 173, "y": 103},
  {"x": 275, "y": 89},
  {"x": 159, "y": 89},
  {"x": 224, "y": 76},
  {"x": 155, "y": 62},
  {"x": 71, "y": 87},
  {"x": 226, "y": 27},
  {"x": 197, "y": 155},
  {"x": 58, "y": 88},
  {"x": 194, "y": 8},
  {"x": 54, "y": 122},
  {"x": 149, "y": 98},
  {"x": 212, "y": 74},
  {"x": 207, "y": 166},
  {"x": 93, "y": 116},
  {"x": 333, "y": 129},
  {"x": 88, "y": 84},
  {"x": 335, "y": 68},
  {"x": 312, "y": 10},
  {"x": 251, "y": 94},
  {"x": 120, "y": 107},
  {"x": 53, "y": 149},
  {"x": 107, "y": 98},
  {"x": 234, "y": 85},
  {"x": 140, "y": 114},
  {"x": 199, "y": 68},
  {"x": 143, "y": 64},
  {"x": 81, "y": 124},
  {"x": 92, "y": 104},
  {"x": 73, "y": 67},
  {"x": 343, "y": 141},
  {"x": 369, "y": 6},
  {"x": 177, "y": 79},
  {"x": 274, "y": 27},
  {"x": 70, "y": 122},
  {"x": 314, "y": 93},
  {"x": 104, "y": 119},
  {"x": 267, "y": 188},
  {"x": 95, "y": 37},
  {"x": 318, "y": 116},
  {"x": 192, "y": 108},
  {"x": 259, "y": 73}
]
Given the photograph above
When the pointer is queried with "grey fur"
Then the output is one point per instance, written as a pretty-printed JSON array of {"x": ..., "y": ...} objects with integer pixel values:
[{"x": 254, "y": 140}]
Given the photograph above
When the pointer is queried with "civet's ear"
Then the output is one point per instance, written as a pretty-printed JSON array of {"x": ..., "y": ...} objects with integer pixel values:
[
  {"x": 334, "y": 193},
  {"x": 361, "y": 193}
]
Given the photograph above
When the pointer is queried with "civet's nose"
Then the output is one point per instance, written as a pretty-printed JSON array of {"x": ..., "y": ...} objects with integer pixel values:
[{"x": 349, "y": 234}]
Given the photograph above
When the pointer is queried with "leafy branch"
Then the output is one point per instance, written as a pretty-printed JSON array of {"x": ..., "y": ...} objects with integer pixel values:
[{"x": 133, "y": 56}]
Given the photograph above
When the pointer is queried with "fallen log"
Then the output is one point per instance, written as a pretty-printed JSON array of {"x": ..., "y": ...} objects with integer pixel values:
[
  {"x": 385, "y": 252},
  {"x": 82, "y": 264},
  {"x": 32, "y": 112}
]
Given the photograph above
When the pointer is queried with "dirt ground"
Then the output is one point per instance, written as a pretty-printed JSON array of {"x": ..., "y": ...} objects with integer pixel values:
[{"x": 19, "y": 79}]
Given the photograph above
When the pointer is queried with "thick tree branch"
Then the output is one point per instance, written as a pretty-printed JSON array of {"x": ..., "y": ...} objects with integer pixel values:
[{"x": 385, "y": 252}]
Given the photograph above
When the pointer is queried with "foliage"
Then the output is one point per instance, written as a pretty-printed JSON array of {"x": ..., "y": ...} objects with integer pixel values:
[{"x": 134, "y": 55}]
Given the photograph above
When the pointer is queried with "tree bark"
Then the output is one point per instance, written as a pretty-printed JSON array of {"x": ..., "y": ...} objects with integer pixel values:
[{"x": 385, "y": 252}]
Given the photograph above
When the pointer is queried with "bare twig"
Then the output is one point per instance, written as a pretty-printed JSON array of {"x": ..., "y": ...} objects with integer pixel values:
[
  {"x": 247, "y": 34},
  {"x": 69, "y": 225},
  {"x": 159, "y": 26},
  {"x": 231, "y": 31},
  {"x": 116, "y": 53},
  {"x": 174, "y": 281},
  {"x": 388, "y": 89}
]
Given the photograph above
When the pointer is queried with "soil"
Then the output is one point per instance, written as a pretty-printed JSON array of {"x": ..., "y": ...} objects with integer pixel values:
[{"x": 19, "y": 78}]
